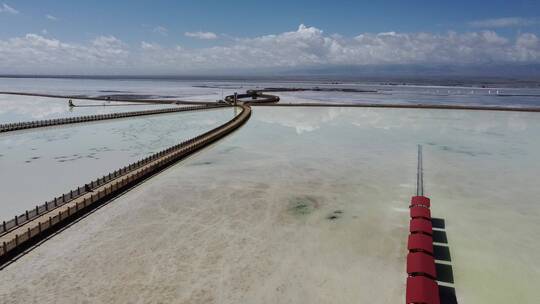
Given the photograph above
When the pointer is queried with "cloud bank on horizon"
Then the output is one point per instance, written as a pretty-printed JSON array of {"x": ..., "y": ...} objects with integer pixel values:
[{"x": 305, "y": 47}]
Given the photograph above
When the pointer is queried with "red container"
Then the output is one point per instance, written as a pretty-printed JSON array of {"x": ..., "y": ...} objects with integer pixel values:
[
  {"x": 420, "y": 242},
  {"x": 422, "y": 290},
  {"x": 420, "y": 212},
  {"x": 420, "y": 201},
  {"x": 419, "y": 225},
  {"x": 419, "y": 263}
]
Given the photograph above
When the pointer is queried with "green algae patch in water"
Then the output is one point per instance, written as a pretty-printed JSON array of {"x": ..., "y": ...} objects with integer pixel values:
[{"x": 303, "y": 205}]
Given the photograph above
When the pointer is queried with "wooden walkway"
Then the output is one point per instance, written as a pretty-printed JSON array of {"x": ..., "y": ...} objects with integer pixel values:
[
  {"x": 18, "y": 233},
  {"x": 18, "y": 237},
  {"x": 80, "y": 119}
]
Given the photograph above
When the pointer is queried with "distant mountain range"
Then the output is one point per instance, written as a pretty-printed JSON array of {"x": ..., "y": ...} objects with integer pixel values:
[{"x": 447, "y": 75}]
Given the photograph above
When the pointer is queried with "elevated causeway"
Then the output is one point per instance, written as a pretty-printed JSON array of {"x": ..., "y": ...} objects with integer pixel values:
[
  {"x": 22, "y": 231},
  {"x": 80, "y": 119}
]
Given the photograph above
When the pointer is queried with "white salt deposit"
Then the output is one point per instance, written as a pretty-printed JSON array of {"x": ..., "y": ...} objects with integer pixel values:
[{"x": 308, "y": 206}]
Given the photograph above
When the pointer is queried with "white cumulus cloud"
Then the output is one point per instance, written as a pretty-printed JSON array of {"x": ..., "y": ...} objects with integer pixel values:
[
  {"x": 201, "y": 35},
  {"x": 4, "y": 8},
  {"x": 503, "y": 22},
  {"x": 51, "y": 17},
  {"x": 304, "y": 47},
  {"x": 150, "y": 46},
  {"x": 33, "y": 52}
]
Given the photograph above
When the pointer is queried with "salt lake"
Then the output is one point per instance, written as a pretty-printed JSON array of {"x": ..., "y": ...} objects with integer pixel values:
[{"x": 310, "y": 205}]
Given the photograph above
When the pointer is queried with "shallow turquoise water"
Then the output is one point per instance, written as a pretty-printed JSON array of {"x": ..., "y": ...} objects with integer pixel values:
[
  {"x": 37, "y": 165},
  {"x": 481, "y": 171},
  {"x": 311, "y": 204},
  {"x": 262, "y": 200}
]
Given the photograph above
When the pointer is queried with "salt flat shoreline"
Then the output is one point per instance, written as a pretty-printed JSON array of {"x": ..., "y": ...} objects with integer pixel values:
[
  {"x": 360, "y": 105},
  {"x": 230, "y": 230}
]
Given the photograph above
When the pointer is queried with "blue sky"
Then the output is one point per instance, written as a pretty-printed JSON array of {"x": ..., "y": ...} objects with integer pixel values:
[{"x": 194, "y": 34}]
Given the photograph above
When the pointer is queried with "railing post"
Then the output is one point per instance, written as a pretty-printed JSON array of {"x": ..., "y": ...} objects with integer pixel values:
[
  {"x": 4, "y": 226},
  {"x": 26, "y": 212}
]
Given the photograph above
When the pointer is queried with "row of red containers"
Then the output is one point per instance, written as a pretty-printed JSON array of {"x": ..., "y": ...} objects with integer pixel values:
[{"x": 421, "y": 281}]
